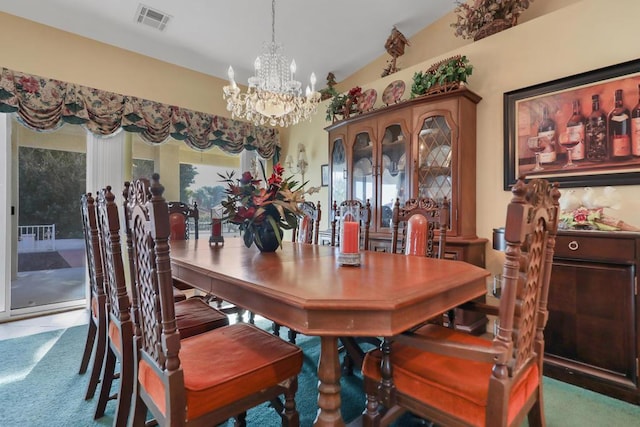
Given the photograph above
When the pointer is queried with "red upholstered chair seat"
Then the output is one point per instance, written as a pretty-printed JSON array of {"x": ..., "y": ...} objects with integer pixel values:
[
  {"x": 225, "y": 365},
  {"x": 453, "y": 385}
]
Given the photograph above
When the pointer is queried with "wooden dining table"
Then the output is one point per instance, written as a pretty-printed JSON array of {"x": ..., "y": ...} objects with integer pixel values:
[{"x": 303, "y": 287}]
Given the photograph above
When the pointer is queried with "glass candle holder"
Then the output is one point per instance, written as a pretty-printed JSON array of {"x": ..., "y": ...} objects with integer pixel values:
[
  {"x": 216, "y": 227},
  {"x": 349, "y": 236}
]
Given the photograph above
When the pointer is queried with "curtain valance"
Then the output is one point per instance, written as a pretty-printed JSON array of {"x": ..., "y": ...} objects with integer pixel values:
[{"x": 46, "y": 104}]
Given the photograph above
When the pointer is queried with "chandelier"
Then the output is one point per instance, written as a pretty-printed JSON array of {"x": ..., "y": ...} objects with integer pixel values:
[{"x": 273, "y": 96}]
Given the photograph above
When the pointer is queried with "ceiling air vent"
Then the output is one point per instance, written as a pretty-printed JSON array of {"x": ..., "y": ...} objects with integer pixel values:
[{"x": 152, "y": 17}]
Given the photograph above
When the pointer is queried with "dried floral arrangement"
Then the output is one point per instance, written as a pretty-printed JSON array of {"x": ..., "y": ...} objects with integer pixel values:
[{"x": 486, "y": 17}]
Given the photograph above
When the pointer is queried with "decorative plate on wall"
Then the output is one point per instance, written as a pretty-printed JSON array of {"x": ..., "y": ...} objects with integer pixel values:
[
  {"x": 393, "y": 92},
  {"x": 367, "y": 100}
]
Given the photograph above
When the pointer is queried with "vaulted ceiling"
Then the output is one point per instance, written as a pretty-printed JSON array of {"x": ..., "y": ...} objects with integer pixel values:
[{"x": 209, "y": 35}]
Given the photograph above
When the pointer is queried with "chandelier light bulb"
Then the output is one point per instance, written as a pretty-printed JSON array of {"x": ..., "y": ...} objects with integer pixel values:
[
  {"x": 312, "y": 79},
  {"x": 230, "y": 73},
  {"x": 256, "y": 64}
]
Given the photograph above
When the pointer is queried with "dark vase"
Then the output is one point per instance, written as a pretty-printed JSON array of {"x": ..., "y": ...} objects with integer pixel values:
[{"x": 265, "y": 238}]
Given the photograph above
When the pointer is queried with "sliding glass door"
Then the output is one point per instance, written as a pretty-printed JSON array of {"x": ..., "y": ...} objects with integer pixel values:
[
  {"x": 48, "y": 260},
  {"x": 43, "y": 174}
]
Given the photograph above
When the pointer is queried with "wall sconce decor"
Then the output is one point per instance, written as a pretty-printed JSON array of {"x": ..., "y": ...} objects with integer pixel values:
[{"x": 301, "y": 164}]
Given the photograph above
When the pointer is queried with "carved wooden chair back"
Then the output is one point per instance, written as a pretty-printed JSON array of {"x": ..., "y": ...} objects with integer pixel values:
[
  {"x": 120, "y": 324},
  {"x": 308, "y": 228},
  {"x": 415, "y": 224},
  {"x": 97, "y": 332},
  {"x": 180, "y": 214},
  {"x": 506, "y": 372},
  {"x": 168, "y": 368},
  {"x": 530, "y": 235},
  {"x": 365, "y": 221}
]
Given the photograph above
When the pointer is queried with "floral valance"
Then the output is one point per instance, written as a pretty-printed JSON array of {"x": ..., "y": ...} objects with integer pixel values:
[{"x": 46, "y": 104}]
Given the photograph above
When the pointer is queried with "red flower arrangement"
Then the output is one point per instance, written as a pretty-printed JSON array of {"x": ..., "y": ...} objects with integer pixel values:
[{"x": 253, "y": 206}]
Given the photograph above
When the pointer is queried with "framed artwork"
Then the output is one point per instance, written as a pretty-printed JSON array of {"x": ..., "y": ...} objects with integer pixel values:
[
  {"x": 324, "y": 175},
  {"x": 582, "y": 130}
]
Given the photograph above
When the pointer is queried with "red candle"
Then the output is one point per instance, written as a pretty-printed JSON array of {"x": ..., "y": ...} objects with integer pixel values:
[
  {"x": 216, "y": 227},
  {"x": 350, "y": 239},
  {"x": 416, "y": 243}
]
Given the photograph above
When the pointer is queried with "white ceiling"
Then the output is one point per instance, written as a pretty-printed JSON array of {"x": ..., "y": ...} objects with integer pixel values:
[{"x": 340, "y": 36}]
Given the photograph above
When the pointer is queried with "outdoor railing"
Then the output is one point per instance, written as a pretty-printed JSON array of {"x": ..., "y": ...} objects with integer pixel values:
[{"x": 37, "y": 236}]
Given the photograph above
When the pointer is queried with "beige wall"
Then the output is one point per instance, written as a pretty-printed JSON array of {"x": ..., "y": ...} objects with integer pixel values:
[
  {"x": 555, "y": 38},
  {"x": 48, "y": 52},
  {"x": 569, "y": 37}
]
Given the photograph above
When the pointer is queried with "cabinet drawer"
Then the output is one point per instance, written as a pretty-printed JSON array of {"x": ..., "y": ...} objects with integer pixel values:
[{"x": 595, "y": 248}]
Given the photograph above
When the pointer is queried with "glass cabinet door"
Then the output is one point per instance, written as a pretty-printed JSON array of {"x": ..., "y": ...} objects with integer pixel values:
[
  {"x": 393, "y": 176},
  {"x": 338, "y": 173},
  {"x": 362, "y": 167},
  {"x": 434, "y": 159}
]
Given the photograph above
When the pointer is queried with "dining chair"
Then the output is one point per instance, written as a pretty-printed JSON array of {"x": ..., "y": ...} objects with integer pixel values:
[
  {"x": 354, "y": 353},
  {"x": 308, "y": 228},
  {"x": 181, "y": 216},
  {"x": 453, "y": 378},
  {"x": 210, "y": 377},
  {"x": 365, "y": 221},
  {"x": 97, "y": 332},
  {"x": 194, "y": 315},
  {"x": 119, "y": 322},
  {"x": 414, "y": 226},
  {"x": 413, "y": 232},
  {"x": 307, "y": 231}
]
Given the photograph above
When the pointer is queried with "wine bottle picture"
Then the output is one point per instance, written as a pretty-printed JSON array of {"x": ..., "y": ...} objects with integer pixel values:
[
  {"x": 547, "y": 129},
  {"x": 596, "y": 133},
  {"x": 575, "y": 132},
  {"x": 635, "y": 128},
  {"x": 619, "y": 122}
]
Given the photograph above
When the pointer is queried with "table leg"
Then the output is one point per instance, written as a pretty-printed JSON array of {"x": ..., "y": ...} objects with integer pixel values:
[{"x": 329, "y": 384}]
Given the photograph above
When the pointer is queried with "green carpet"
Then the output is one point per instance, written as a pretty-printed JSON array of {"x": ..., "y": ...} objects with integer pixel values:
[{"x": 40, "y": 386}]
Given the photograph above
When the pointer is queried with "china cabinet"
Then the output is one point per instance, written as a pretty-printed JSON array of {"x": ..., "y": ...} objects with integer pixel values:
[
  {"x": 591, "y": 338},
  {"x": 424, "y": 147}
]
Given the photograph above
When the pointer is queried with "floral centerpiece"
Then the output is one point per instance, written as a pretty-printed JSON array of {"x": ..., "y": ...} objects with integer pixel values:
[
  {"x": 486, "y": 17},
  {"x": 263, "y": 211}
]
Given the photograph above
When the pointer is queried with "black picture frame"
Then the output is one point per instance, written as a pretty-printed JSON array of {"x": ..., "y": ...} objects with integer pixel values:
[
  {"x": 523, "y": 112},
  {"x": 324, "y": 175}
]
